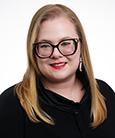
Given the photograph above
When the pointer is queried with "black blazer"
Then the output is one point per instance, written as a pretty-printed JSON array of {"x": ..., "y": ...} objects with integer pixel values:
[{"x": 72, "y": 120}]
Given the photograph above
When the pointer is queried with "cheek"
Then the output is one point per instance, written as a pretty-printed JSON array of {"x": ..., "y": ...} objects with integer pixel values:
[
  {"x": 74, "y": 60},
  {"x": 76, "y": 56},
  {"x": 40, "y": 64}
]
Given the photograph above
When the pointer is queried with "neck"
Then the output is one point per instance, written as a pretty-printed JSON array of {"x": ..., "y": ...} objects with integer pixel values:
[{"x": 70, "y": 89}]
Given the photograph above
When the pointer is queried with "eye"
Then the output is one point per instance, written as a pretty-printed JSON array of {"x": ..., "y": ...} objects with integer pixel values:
[
  {"x": 45, "y": 45},
  {"x": 66, "y": 43}
]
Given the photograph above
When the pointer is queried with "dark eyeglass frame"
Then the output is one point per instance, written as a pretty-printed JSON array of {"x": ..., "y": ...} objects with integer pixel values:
[{"x": 36, "y": 44}]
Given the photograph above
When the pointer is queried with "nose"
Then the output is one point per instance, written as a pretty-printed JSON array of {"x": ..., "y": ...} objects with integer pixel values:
[{"x": 56, "y": 53}]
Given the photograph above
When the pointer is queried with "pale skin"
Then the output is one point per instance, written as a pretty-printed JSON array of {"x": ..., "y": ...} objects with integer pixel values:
[{"x": 63, "y": 80}]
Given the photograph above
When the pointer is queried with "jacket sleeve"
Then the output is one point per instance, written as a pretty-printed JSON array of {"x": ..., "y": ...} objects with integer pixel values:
[{"x": 11, "y": 115}]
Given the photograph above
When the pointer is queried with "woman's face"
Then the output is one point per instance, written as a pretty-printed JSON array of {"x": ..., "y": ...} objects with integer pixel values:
[{"x": 58, "y": 68}]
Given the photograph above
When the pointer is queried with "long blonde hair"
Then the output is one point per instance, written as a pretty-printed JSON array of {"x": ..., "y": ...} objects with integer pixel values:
[{"x": 26, "y": 89}]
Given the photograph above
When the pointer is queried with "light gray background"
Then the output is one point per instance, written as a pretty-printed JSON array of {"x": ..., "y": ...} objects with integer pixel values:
[{"x": 97, "y": 17}]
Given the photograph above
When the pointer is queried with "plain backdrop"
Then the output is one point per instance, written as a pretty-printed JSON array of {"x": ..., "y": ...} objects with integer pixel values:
[{"x": 98, "y": 20}]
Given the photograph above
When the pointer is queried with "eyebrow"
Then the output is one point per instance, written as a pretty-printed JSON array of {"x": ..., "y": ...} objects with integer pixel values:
[
  {"x": 49, "y": 41},
  {"x": 45, "y": 40}
]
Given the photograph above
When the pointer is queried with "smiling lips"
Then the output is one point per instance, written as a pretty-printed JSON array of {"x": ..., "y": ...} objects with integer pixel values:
[{"x": 59, "y": 65}]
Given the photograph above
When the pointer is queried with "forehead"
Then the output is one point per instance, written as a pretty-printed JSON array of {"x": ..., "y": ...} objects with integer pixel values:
[{"x": 56, "y": 29}]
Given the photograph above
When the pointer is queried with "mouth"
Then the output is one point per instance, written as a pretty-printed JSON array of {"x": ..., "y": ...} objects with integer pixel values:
[{"x": 59, "y": 65}]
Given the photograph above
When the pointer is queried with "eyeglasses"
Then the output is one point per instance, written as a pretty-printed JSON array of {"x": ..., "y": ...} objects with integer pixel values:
[{"x": 66, "y": 47}]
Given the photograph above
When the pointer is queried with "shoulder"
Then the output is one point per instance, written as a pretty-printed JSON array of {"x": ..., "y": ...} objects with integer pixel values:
[
  {"x": 8, "y": 98},
  {"x": 9, "y": 102},
  {"x": 105, "y": 88},
  {"x": 11, "y": 113},
  {"x": 107, "y": 92}
]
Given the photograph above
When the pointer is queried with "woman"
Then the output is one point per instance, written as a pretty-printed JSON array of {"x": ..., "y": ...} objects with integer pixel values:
[{"x": 58, "y": 96}]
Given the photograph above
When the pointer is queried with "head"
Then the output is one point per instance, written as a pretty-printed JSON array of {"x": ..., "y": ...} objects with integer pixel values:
[
  {"x": 44, "y": 19},
  {"x": 47, "y": 18}
]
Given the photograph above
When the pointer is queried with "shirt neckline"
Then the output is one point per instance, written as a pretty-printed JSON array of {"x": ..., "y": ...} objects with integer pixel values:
[{"x": 55, "y": 100}]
